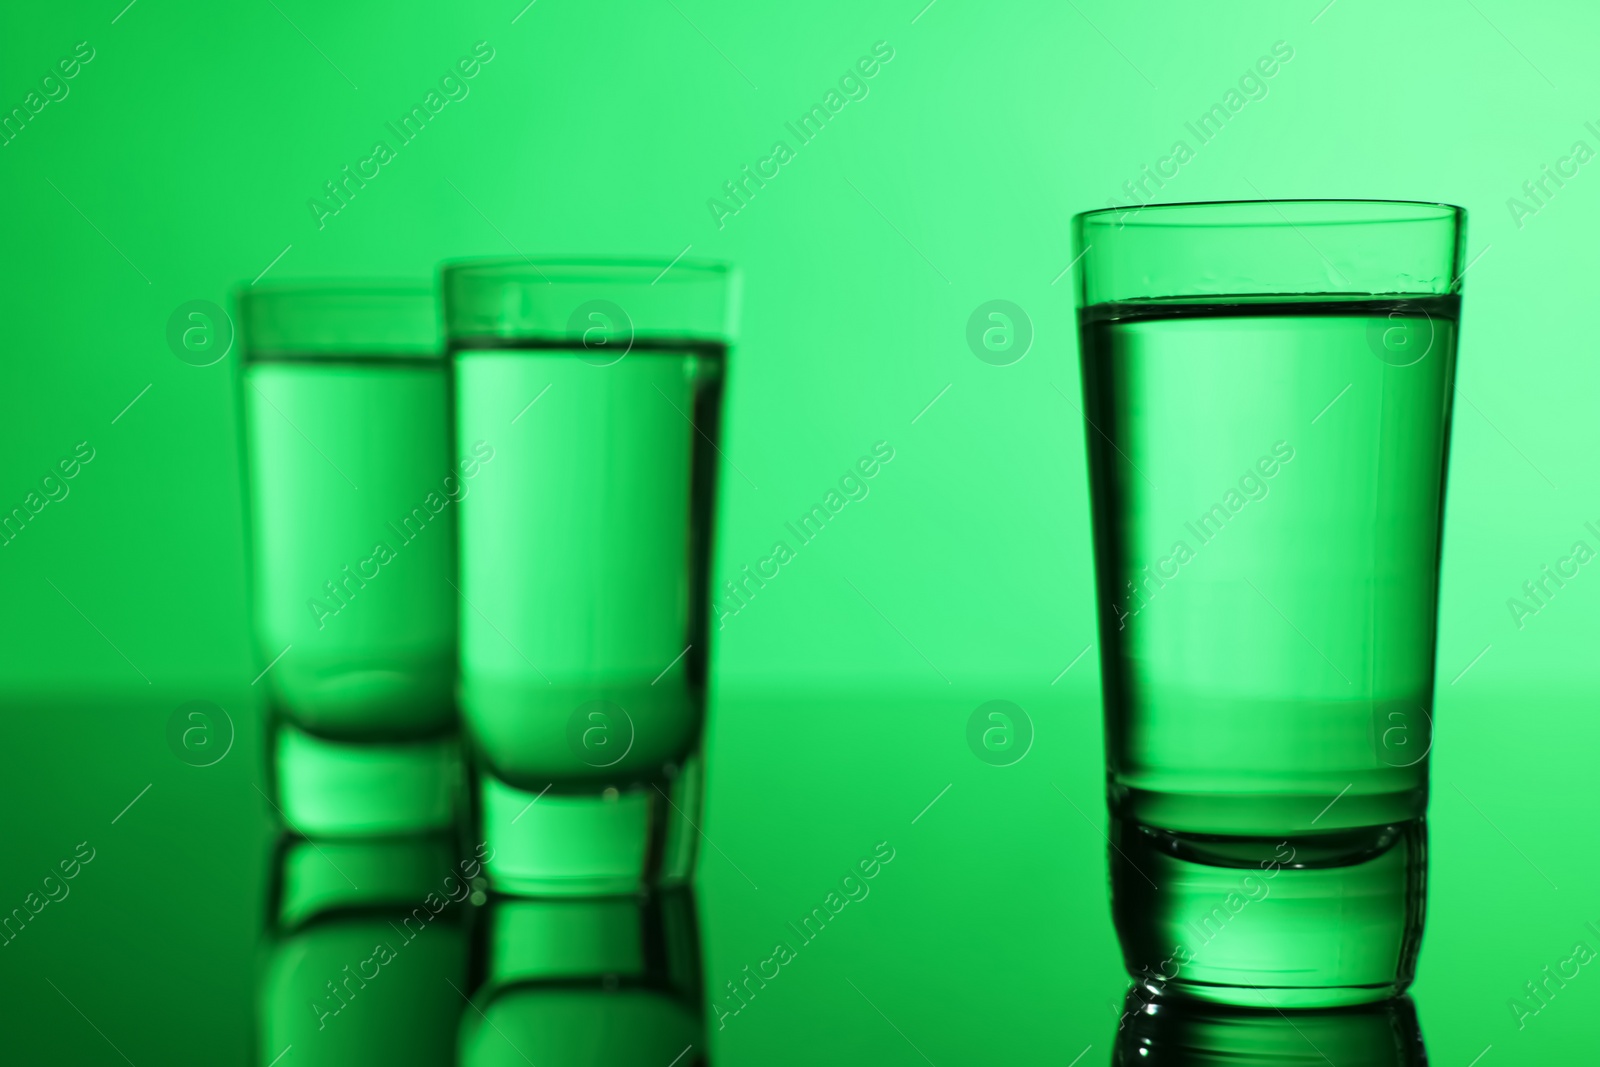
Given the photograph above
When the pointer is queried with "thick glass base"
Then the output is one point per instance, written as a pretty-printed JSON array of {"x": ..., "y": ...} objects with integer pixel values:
[
  {"x": 1303, "y": 921},
  {"x": 369, "y": 789},
  {"x": 590, "y": 840}
]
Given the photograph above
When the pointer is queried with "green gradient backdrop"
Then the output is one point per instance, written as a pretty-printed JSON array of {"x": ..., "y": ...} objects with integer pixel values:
[{"x": 181, "y": 163}]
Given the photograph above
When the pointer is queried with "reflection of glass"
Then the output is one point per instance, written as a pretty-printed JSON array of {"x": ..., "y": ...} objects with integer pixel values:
[
  {"x": 353, "y": 521},
  {"x": 1267, "y": 394},
  {"x": 1186, "y": 1033},
  {"x": 364, "y": 936},
  {"x": 594, "y": 981},
  {"x": 584, "y": 556}
]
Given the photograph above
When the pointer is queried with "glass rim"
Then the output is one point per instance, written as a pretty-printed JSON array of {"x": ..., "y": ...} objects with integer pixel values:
[
  {"x": 560, "y": 298},
  {"x": 354, "y": 320},
  {"x": 1341, "y": 212},
  {"x": 587, "y": 268},
  {"x": 332, "y": 287}
]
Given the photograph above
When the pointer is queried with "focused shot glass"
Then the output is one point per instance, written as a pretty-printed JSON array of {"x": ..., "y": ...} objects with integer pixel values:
[
  {"x": 596, "y": 387},
  {"x": 1267, "y": 391},
  {"x": 352, "y": 499}
]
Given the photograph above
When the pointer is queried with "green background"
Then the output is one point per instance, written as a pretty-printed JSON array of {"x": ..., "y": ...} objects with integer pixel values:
[{"x": 180, "y": 165}]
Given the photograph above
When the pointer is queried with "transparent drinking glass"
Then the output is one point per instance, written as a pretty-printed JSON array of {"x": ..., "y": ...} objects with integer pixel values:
[
  {"x": 591, "y": 392},
  {"x": 351, "y": 497},
  {"x": 1267, "y": 393}
]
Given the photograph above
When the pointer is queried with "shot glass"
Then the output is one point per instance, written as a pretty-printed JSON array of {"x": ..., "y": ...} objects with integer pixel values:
[
  {"x": 596, "y": 387},
  {"x": 352, "y": 498},
  {"x": 1267, "y": 391}
]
